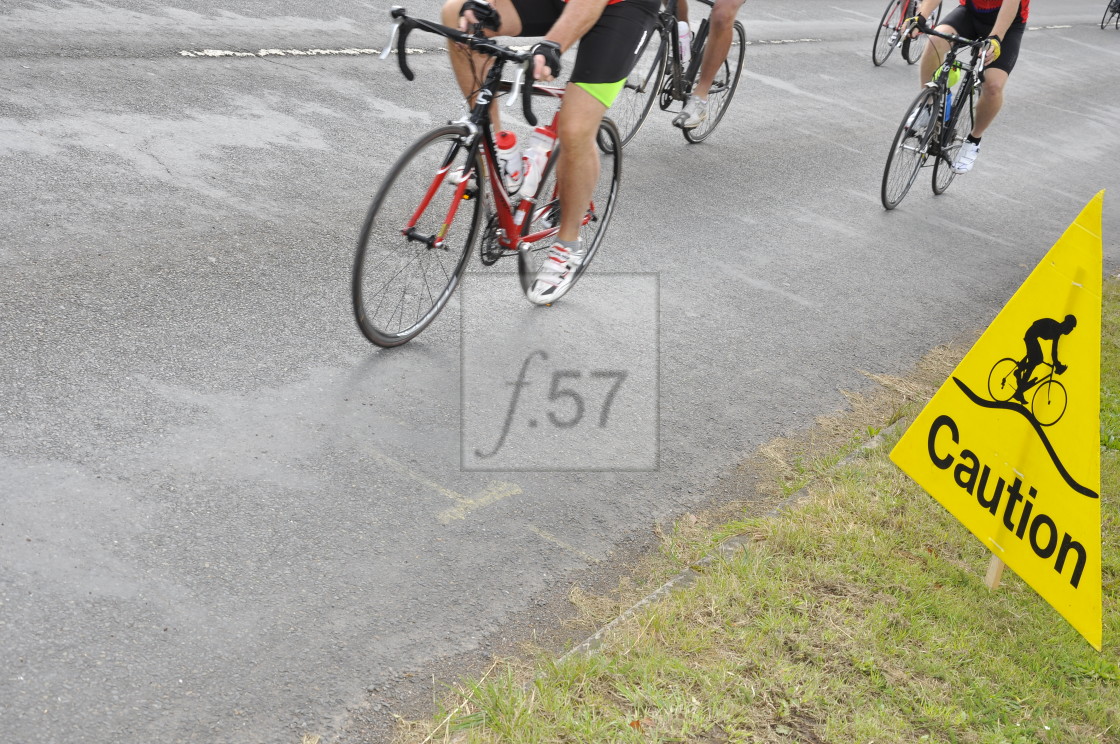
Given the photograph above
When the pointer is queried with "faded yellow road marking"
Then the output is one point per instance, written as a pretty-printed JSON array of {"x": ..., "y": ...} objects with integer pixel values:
[
  {"x": 495, "y": 491},
  {"x": 560, "y": 543}
]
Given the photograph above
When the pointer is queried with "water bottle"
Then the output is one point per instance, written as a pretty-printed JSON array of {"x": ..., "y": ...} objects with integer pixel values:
[
  {"x": 534, "y": 159},
  {"x": 948, "y": 105},
  {"x": 684, "y": 33},
  {"x": 509, "y": 160}
]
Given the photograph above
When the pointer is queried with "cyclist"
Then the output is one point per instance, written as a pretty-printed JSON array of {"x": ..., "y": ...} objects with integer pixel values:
[
  {"x": 1002, "y": 23},
  {"x": 610, "y": 33},
  {"x": 1044, "y": 329},
  {"x": 720, "y": 33}
]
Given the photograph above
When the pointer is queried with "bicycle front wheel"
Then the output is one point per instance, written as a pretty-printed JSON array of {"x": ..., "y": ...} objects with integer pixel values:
[
  {"x": 723, "y": 86},
  {"x": 417, "y": 237},
  {"x": 888, "y": 33},
  {"x": 910, "y": 147},
  {"x": 950, "y": 143},
  {"x": 636, "y": 98},
  {"x": 544, "y": 220},
  {"x": 1110, "y": 10},
  {"x": 1049, "y": 402},
  {"x": 1002, "y": 382}
]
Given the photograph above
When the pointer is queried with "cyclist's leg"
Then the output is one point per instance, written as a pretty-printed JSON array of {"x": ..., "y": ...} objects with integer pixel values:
[
  {"x": 578, "y": 168},
  {"x": 995, "y": 79},
  {"x": 719, "y": 43},
  {"x": 991, "y": 100},
  {"x": 606, "y": 55}
]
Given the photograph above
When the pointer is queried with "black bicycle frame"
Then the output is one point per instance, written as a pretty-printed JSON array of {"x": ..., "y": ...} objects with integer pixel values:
[
  {"x": 681, "y": 84},
  {"x": 971, "y": 70}
]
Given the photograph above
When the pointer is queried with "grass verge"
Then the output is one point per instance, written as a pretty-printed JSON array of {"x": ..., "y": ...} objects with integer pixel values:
[{"x": 859, "y": 617}]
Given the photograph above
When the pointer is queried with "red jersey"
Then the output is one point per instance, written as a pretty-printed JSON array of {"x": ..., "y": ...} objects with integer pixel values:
[{"x": 992, "y": 6}]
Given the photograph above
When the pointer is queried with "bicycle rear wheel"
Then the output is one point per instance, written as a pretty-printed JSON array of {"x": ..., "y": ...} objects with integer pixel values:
[
  {"x": 636, "y": 98},
  {"x": 723, "y": 86},
  {"x": 417, "y": 237},
  {"x": 910, "y": 147},
  {"x": 544, "y": 219},
  {"x": 1002, "y": 382},
  {"x": 887, "y": 35},
  {"x": 943, "y": 174},
  {"x": 912, "y": 48}
]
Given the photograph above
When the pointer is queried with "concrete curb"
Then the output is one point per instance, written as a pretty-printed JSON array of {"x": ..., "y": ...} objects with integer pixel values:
[{"x": 726, "y": 549}]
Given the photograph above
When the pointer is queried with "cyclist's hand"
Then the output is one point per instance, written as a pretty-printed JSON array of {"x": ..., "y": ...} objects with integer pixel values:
[
  {"x": 546, "y": 60},
  {"x": 917, "y": 24},
  {"x": 992, "y": 53},
  {"x": 478, "y": 12},
  {"x": 1060, "y": 368}
]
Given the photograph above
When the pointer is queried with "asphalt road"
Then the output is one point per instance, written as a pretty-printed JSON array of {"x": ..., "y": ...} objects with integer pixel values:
[{"x": 225, "y": 516}]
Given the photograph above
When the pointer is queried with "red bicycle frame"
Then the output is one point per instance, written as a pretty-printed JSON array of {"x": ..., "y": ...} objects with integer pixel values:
[{"x": 511, "y": 217}]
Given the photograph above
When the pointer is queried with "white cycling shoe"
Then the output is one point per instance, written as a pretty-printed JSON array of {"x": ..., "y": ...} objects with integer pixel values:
[
  {"x": 556, "y": 274},
  {"x": 966, "y": 157}
]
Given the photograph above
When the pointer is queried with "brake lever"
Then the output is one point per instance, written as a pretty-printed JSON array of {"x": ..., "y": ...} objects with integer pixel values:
[
  {"x": 516, "y": 87},
  {"x": 392, "y": 39}
]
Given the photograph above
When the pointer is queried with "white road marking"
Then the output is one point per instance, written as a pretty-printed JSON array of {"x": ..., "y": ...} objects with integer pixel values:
[
  {"x": 292, "y": 52},
  {"x": 783, "y": 41},
  {"x": 855, "y": 13},
  {"x": 356, "y": 52}
]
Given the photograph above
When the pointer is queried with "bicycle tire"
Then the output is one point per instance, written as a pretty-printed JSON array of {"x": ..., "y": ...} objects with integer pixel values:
[
  {"x": 912, "y": 48},
  {"x": 723, "y": 86},
  {"x": 1002, "y": 382},
  {"x": 1048, "y": 404},
  {"x": 962, "y": 123},
  {"x": 1107, "y": 18},
  {"x": 546, "y": 212},
  {"x": 641, "y": 88},
  {"x": 909, "y": 150},
  {"x": 399, "y": 285},
  {"x": 881, "y": 50}
]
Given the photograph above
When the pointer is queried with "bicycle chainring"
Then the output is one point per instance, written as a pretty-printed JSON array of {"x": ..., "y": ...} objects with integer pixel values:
[{"x": 489, "y": 249}]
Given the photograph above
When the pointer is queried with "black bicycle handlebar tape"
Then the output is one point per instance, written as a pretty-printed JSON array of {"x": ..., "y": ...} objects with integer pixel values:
[
  {"x": 527, "y": 94},
  {"x": 402, "y": 50}
]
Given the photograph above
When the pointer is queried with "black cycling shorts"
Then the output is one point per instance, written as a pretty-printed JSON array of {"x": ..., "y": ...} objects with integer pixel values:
[
  {"x": 970, "y": 26},
  {"x": 610, "y": 49}
]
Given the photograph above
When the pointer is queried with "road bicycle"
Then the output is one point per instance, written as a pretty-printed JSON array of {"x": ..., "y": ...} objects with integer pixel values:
[
  {"x": 661, "y": 75},
  {"x": 937, "y": 122},
  {"x": 447, "y": 189},
  {"x": 1111, "y": 14},
  {"x": 1048, "y": 401},
  {"x": 894, "y": 31}
]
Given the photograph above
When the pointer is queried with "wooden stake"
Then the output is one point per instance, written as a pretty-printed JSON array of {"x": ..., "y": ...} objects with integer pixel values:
[{"x": 995, "y": 573}]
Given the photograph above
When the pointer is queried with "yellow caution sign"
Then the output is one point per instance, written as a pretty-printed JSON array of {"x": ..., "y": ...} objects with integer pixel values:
[{"x": 1010, "y": 444}]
